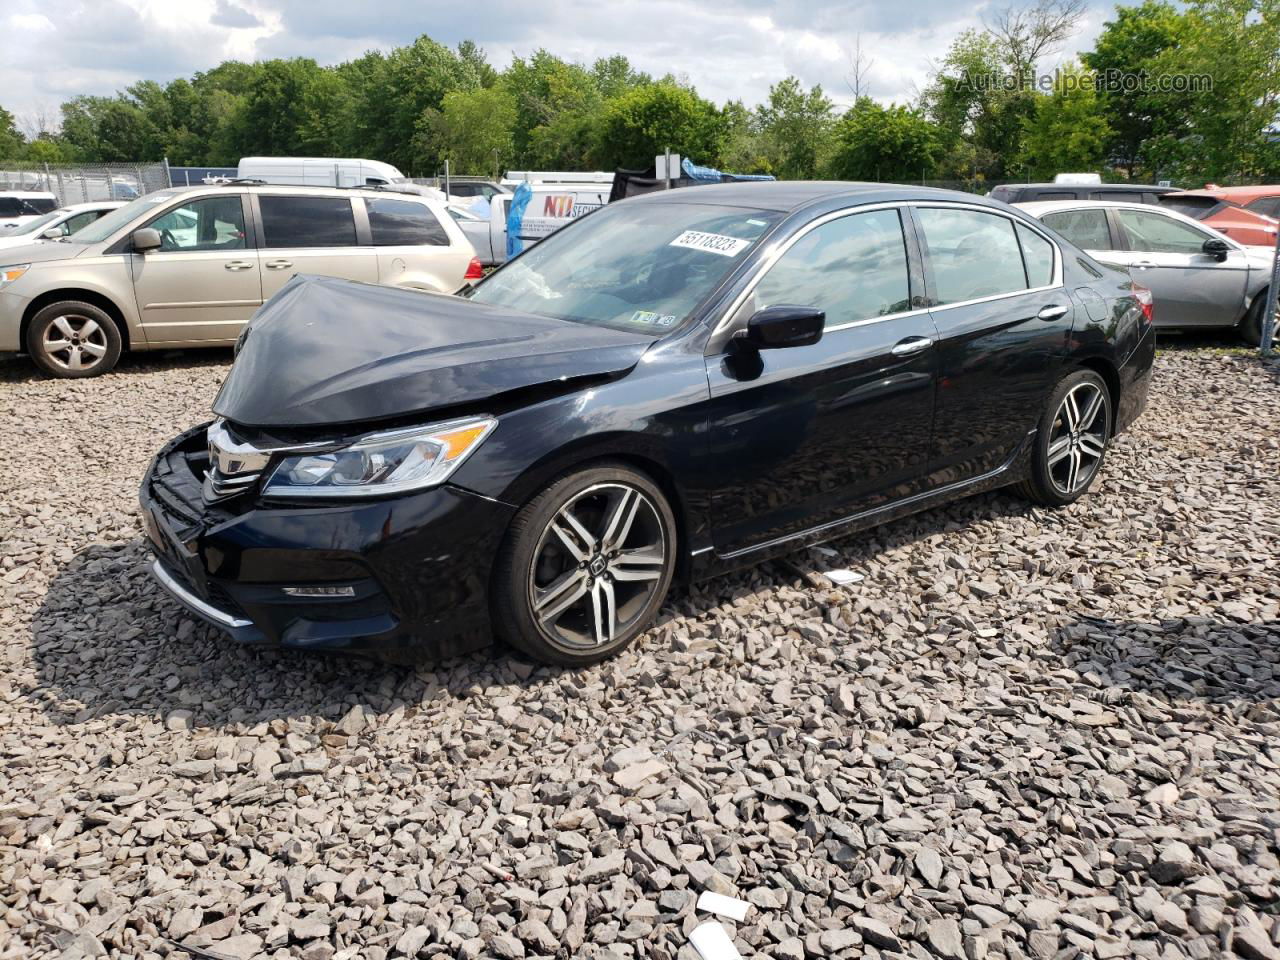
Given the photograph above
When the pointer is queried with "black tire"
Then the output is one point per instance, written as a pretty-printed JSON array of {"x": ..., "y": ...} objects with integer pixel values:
[
  {"x": 1251, "y": 325},
  {"x": 1052, "y": 484},
  {"x": 92, "y": 338},
  {"x": 579, "y": 565}
]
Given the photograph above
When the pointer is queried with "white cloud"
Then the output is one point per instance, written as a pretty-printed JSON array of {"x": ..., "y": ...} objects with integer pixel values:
[{"x": 733, "y": 49}]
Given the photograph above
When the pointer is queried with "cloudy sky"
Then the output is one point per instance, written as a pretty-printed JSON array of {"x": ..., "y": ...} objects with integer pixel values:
[{"x": 55, "y": 49}]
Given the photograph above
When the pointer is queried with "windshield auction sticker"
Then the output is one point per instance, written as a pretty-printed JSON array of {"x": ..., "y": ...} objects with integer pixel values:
[{"x": 711, "y": 243}]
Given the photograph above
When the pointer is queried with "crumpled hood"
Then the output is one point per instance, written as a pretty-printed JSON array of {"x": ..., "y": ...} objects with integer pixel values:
[{"x": 323, "y": 352}]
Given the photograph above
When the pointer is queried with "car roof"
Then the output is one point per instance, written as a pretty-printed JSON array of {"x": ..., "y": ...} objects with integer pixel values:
[
  {"x": 1118, "y": 187},
  {"x": 24, "y": 194},
  {"x": 787, "y": 196},
  {"x": 1238, "y": 194},
  {"x": 211, "y": 189}
]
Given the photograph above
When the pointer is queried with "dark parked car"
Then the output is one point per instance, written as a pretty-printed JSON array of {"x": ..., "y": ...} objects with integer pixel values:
[
  {"x": 671, "y": 387},
  {"x": 1127, "y": 192}
]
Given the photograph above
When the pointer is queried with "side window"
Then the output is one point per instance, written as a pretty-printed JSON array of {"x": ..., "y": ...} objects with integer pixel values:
[
  {"x": 1153, "y": 233},
  {"x": 403, "y": 223},
  {"x": 212, "y": 223},
  {"x": 10, "y": 207},
  {"x": 1053, "y": 195},
  {"x": 854, "y": 268},
  {"x": 972, "y": 254},
  {"x": 307, "y": 222},
  {"x": 1037, "y": 254},
  {"x": 1267, "y": 206},
  {"x": 72, "y": 224},
  {"x": 1124, "y": 196},
  {"x": 1087, "y": 229}
]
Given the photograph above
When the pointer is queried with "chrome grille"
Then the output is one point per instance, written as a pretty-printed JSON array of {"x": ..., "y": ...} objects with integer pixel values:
[{"x": 234, "y": 465}]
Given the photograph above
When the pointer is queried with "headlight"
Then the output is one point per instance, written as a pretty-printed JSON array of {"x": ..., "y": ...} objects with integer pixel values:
[
  {"x": 381, "y": 463},
  {"x": 10, "y": 274}
]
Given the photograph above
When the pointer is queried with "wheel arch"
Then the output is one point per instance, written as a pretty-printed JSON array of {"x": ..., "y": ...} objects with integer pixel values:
[
  {"x": 1111, "y": 377},
  {"x": 617, "y": 450},
  {"x": 93, "y": 297}
]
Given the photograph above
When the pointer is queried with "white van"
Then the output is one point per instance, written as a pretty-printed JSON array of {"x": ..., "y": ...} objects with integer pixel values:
[{"x": 319, "y": 171}]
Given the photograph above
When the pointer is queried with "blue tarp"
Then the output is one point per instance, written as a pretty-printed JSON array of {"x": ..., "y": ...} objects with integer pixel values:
[
  {"x": 515, "y": 216},
  {"x": 712, "y": 175}
]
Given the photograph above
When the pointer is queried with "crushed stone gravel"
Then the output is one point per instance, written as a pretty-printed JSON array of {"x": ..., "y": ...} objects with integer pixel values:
[{"x": 1025, "y": 734}]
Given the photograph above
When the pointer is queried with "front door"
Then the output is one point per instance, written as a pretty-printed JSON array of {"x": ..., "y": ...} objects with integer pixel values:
[
  {"x": 1191, "y": 288},
  {"x": 202, "y": 284},
  {"x": 317, "y": 235},
  {"x": 1003, "y": 320},
  {"x": 811, "y": 435}
]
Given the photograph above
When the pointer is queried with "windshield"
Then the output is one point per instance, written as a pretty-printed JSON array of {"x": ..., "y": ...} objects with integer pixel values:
[
  {"x": 109, "y": 223},
  {"x": 31, "y": 226},
  {"x": 631, "y": 266}
]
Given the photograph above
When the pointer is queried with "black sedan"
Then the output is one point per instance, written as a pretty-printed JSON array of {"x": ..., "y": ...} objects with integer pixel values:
[{"x": 676, "y": 385}]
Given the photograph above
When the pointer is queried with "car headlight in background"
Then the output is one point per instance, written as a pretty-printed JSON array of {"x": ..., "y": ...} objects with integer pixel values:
[
  {"x": 12, "y": 273},
  {"x": 381, "y": 463}
]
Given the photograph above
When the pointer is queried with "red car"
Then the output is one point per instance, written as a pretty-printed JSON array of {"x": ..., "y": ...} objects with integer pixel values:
[{"x": 1245, "y": 214}]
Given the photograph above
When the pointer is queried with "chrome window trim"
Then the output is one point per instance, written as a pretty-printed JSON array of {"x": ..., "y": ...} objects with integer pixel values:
[{"x": 772, "y": 256}]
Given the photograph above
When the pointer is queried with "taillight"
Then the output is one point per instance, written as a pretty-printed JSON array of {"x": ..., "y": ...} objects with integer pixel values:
[
  {"x": 474, "y": 270},
  {"x": 1146, "y": 302}
]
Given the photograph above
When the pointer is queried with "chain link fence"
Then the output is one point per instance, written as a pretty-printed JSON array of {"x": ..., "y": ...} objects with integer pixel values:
[{"x": 85, "y": 182}]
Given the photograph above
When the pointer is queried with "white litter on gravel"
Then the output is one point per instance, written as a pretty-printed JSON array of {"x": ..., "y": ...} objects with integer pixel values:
[{"x": 718, "y": 903}]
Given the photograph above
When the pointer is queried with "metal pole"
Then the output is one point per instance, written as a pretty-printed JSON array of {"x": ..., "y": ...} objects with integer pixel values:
[
  {"x": 666, "y": 169},
  {"x": 1269, "y": 310},
  {"x": 446, "y": 178}
]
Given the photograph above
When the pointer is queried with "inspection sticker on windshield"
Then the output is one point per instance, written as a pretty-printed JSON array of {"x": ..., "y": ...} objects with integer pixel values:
[
  {"x": 711, "y": 243},
  {"x": 648, "y": 316}
]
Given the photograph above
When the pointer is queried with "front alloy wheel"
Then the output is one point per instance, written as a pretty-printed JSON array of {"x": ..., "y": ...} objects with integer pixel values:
[
  {"x": 586, "y": 566},
  {"x": 1071, "y": 441},
  {"x": 73, "y": 339}
]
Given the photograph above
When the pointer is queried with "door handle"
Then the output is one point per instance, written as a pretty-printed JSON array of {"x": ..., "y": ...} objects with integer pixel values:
[
  {"x": 1052, "y": 312},
  {"x": 238, "y": 265},
  {"x": 279, "y": 264},
  {"x": 911, "y": 345}
]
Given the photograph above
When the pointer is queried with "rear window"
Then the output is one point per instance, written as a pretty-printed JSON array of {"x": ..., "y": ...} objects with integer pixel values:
[
  {"x": 1197, "y": 208},
  {"x": 1267, "y": 206},
  {"x": 1037, "y": 252},
  {"x": 972, "y": 254},
  {"x": 307, "y": 222},
  {"x": 403, "y": 223}
]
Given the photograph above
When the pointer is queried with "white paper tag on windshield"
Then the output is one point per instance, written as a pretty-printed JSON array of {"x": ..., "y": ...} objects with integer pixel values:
[{"x": 711, "y": 243}]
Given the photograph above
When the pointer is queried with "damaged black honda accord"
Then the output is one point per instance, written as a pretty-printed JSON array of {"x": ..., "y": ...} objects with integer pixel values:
[{"x": 673, "y": 386}]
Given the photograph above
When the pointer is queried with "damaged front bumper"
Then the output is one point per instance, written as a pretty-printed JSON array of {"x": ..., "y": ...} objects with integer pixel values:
[{"x": 400, "y": 577}]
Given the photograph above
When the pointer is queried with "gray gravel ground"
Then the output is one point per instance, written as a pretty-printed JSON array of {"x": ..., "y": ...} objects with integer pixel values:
[{"x": 1026, "y": 733}]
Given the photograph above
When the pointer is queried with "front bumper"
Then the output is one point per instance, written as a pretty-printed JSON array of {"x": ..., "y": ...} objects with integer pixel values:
[{"x": 414, "y": 569}]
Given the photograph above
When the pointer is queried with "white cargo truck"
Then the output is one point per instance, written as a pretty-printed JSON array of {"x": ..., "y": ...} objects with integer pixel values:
[{"x": 319, "y": 171}]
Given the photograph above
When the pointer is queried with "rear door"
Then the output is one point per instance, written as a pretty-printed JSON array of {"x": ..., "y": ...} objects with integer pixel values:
[
  {"x": 310, "y": 234},
  {"x": 203, "y": 283},
  {"x": 413, "y": 247},
  {"x": 1191, "y": 288},
  {"x": 812, "y": 435},
  {"x": 1003, "y": 319}
]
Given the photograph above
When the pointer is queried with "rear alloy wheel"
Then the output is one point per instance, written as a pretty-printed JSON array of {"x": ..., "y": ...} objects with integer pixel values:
[
  {"x": 586, "y": 566},
  {"x": 1071, "y": 441},
  {"x": 73, "y": 339}
]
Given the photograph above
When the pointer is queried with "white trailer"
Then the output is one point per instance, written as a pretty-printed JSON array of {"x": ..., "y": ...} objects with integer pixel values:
[{"x": 319, "y": 171}]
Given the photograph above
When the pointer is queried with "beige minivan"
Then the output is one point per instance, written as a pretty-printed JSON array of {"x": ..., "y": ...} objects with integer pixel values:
[{"x": 188, "y": 267}]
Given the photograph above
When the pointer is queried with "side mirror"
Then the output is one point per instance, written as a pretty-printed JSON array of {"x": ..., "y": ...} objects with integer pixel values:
[
  {"x": 785, "y": 326},
  {"x": 1217, "y": 248},
  {"x": 53, "y": 233},
  {"x": 146, "y": 239}
]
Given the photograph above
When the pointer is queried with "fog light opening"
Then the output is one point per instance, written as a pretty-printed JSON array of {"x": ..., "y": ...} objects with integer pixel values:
[{"x": 319, "y": 591}]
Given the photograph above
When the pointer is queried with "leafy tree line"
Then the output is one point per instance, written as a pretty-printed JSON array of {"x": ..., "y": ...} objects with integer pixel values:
[{"x": 423, "y": 103}]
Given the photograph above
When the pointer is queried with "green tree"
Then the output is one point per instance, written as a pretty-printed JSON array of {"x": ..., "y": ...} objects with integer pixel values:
[
  {"x": 643, "y": 122},
  {"x": 1223, "y": 132},
  {"x": 271, "y": 118},
  {"x": 558, "y": 108},
  {"x": 472, "y": 129},
  {"x": 1069, "y": 129},
  {"x": 893, "y": 144},
  {"x": 11, "y": 140},
  {"x": 796, "y": 128},
  {"x": 1127, "y": 46}
]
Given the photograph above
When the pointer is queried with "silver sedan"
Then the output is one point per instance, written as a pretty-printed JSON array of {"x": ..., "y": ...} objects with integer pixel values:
[{"x": 1199, "y": 277}]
